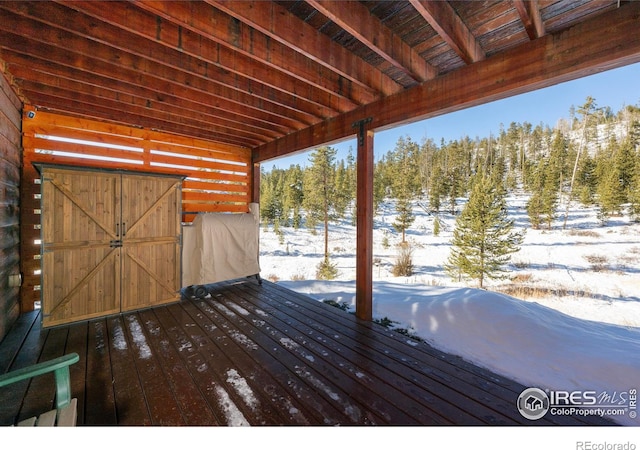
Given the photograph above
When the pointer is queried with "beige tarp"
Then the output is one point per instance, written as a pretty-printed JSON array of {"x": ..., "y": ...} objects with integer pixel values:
[{"x": 219, "y": 247}]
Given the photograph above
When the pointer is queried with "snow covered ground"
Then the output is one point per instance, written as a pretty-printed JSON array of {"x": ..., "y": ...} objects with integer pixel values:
[{"x": 571, "y": 321}]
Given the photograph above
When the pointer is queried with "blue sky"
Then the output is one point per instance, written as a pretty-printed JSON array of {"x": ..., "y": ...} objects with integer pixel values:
[{"x": 614, "y": 88}]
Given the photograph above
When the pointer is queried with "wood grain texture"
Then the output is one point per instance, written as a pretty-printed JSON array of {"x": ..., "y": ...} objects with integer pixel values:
[
  {"x": 10, "y": 160},
  {"x": 253, "y": 354}
]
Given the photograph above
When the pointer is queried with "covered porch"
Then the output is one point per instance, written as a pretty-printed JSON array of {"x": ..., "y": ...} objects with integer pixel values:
[
  {"x": 251, "y": 354},
  {"x": 231, "y": 86}
]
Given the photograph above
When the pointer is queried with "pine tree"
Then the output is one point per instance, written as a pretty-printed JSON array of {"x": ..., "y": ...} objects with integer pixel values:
[
  {"x": 404, "y": 182},
  {"x": 457, "y": 168},
  {"x": 541, "y": 207},
  {"x": 293, "y": 195},
  {"x": 610, "y": 193},
  {"x": 436, "y": 226},
  {"x": 586, "y": 180},
  {"x": 271, "y": 196},
  {"x": 436, "y": 188},
  {"x": 587, "y": 110},
  {"x": 634, "y": 195},
  {"x": 483, "y": 239},
  {"x": 343, "y": 194},
  {"x": 633, "y": 143},
  {"x": 320, "y": 191},
  {"x": 625, "y": 161},
  {"x": 404, "y": 218}
]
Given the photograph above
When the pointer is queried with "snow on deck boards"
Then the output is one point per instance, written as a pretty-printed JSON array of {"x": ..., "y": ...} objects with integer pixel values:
[{"x": 252, "y": 354}]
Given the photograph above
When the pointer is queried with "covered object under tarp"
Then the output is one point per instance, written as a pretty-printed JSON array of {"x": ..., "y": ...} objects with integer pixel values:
[{"x": 220, "y": 246}]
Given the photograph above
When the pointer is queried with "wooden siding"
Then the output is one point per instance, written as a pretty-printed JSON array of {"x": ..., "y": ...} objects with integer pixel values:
[
  {"x": 217, "y": 176},
  {"x": 10, "y": 160},
  {"x": 252, "y": 354}
]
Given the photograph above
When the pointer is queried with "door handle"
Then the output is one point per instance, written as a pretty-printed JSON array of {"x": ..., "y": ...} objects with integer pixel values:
[
  {"x": 124, "y": 229},
  {"x": 117, "y": 230}
]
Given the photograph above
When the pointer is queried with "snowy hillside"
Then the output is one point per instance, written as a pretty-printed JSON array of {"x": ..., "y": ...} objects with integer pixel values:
[
  {"x": 600, "y": 137},
  {"x": 586, "y": 270},
  {"x": 571, "y": 319}
]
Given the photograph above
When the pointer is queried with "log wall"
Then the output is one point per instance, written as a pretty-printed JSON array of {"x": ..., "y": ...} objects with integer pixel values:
[{"x": 10, "y": 161}]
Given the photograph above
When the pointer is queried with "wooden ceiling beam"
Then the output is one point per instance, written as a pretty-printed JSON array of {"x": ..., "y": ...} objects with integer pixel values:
[
  {"x": 443, "y": 18},
  {"x": 210, "y": 23},
  {"x": 74, "y": 30},
  {"x": 554, "y": 58},
  {"x": 149, "y": 26},
  {"x": 32, "y": 78},
  {"x": 276, "y": 22},
  {"x": 100, "y": 112},
  {"x": 160, "y": 91},
  {"x": 164, "y": 119},
  {"x": 118, "y": 65},
  {"x": 356, "y": 19},
  {"x": 529, "y": 12}
]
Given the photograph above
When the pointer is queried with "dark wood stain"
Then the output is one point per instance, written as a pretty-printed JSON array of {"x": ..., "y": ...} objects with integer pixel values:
[{"x": 252, "y": 354}]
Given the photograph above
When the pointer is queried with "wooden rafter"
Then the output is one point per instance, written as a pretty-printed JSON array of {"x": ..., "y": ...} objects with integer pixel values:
[
  {"x": 558, "y": 57},
  {"x": 249, "y": 73},
  {"x": 168, "y": 43},
  {"x": 358, "y": 21},
  {"x": 113, "y": 45},
  {"x": 200, "y": 23},
  {"x": 277, "y": 23},
  {"x": 531, "y": 19},
  {"x": 99, "y": 60},
  {"x": 442, "y": 17}
]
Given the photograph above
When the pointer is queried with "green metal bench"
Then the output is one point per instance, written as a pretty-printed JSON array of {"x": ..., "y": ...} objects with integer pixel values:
[{"x": 65, "y": 413}]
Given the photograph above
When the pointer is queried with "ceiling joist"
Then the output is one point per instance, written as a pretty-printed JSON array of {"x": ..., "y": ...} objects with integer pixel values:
[
  {"x": 443, "y": 18},
  {"x": 530, "y": 16},
  {"x": 356, "y": 19},
  {"x": 277, "y": 23},
  {"x": 280, "y": 76},
  {"x": 552, "y": 59}
]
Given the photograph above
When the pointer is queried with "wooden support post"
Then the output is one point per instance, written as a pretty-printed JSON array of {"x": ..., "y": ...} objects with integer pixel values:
[
  {"x": 364, "y": 240},
  {"x": 255, "y": 183}
]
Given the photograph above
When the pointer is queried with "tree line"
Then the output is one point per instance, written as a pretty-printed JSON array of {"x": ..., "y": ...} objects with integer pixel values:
[{"x": 591, "y": 158}]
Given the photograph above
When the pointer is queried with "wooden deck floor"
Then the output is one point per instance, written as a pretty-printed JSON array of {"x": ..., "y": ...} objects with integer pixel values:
[{"x": 254, "y": 355}]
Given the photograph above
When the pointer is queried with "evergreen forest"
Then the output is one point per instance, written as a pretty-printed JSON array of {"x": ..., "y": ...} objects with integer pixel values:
[{"x": 591, "y": 158}]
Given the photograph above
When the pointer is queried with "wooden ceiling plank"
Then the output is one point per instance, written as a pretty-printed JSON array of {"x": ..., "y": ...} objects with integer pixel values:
[
  {"x": 101, "y": 113},
  {"x": 53, "y": 45},
  {"x": 75, "y": 30},
  {"x": 67, "y": 89},
  {"x": 529, "y": 12},
  {"x": 443, "y": 18},
  {"x": 135, "y": 21},
  {"x": 52, "y": 78},
  {"x": 554, "y": 58},
  {"x": 559, "y": 15},
  {"x": 134, "y": 82},
  {"x": 32, "y": 68},
  {"x": 359, "y": 22},
  {"x": 277, "y": 23},
  {"x": 147, "y": 118},
  {"x": 210, "y": 23}
]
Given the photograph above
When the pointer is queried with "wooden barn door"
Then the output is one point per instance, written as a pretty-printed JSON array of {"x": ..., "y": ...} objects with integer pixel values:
[
  {"x": 151, "y": 231},
  {"x": 111, "y": 242},
  {"x": 80, "y": 264}
]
